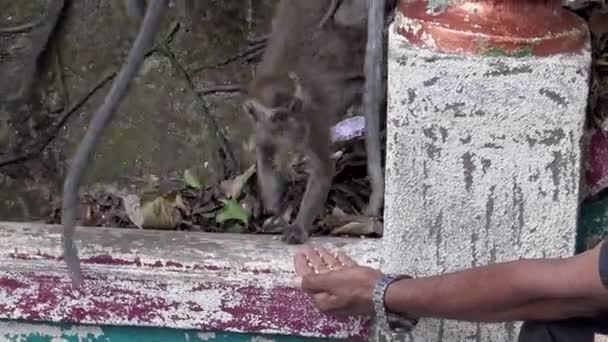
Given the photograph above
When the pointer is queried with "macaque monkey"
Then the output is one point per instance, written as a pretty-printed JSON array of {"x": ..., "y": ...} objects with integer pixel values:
[
  {"x": 145, "y": 38},
  {"x": 310, "y": 74}
]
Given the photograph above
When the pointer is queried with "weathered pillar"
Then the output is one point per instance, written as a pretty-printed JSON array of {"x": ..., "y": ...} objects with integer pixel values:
[{"x": 486, "y": 110}]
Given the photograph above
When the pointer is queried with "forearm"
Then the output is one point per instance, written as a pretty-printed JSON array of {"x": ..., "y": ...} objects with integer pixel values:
[
  {"x": 542, "y": 310},
  {"x": 508, "y": 291}
]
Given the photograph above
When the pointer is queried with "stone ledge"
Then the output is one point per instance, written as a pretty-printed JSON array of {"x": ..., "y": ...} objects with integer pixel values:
[{"x": 183, "y": 280}]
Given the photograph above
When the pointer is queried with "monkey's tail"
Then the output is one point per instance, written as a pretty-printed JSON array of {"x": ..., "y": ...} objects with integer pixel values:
[{"x": 145, "y": 39}]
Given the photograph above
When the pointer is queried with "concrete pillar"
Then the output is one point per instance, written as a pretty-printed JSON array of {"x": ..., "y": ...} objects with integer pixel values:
[{"x": 485, "y": 117}]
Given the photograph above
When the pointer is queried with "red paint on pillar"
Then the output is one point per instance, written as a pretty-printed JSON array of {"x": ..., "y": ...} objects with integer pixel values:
[{"x": 533, "y": 27}]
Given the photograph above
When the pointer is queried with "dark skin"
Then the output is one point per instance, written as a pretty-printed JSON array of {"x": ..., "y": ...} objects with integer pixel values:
[{"x": 538, "y": 289}]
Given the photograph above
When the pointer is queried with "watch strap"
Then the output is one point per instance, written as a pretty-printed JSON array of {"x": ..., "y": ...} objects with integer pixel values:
[{"x": 390, "y": 321}]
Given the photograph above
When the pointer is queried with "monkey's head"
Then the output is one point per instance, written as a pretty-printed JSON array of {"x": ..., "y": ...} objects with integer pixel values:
[{"x": 276, "y": 106}]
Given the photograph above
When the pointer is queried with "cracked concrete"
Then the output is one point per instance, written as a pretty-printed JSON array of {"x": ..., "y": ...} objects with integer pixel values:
[{"x": 483, "y": 165}]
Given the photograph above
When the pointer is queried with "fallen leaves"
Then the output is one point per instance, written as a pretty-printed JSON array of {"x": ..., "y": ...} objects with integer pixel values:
[
  {"x": 338, "y": 223},
  {"x": 232, "y": 188},
  {"x": 234, "y": 205},
  {"x": 191, "y": 180}
]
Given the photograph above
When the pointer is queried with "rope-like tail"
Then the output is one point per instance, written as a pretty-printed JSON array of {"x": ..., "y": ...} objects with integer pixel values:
[{"x": 102, "y": 117}]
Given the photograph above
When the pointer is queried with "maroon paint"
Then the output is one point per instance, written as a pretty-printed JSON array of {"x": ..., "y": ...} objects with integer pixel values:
[{"x": 475, "y": 26}]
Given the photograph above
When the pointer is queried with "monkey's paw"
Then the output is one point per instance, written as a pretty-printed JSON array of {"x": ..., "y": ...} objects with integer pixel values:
[{"x": 294, "y": 235}]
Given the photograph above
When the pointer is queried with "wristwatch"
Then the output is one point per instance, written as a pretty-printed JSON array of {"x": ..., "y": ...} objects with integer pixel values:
[{"x": 389, "y": 321}]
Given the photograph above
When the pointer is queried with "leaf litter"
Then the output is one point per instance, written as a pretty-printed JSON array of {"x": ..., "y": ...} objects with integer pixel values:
[{"x": 234, "y": 205}]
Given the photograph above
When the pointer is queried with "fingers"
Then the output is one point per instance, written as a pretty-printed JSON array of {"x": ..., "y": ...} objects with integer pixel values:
[
  {"x": 330, "y": 260},
  {"x": 312, "y": 260},
  {"x": 302, "y": 265},
  {"x": 320, "y": 260},
  {"x": 345, "y": 260}
]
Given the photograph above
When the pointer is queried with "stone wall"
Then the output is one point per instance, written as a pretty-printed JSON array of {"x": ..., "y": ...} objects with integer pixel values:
[{"x": 162, "y": 127}]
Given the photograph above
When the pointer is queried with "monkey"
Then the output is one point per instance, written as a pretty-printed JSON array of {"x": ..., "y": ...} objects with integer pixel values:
[
  {"x": 145, "y": 38},
  {"x": 302, "y": 84}
]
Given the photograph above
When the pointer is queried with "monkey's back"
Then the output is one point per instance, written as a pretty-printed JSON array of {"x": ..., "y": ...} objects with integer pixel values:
[{"x": 297, "y": 43}]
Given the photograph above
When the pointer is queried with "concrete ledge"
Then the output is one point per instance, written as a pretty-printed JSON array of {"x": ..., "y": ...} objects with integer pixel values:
[{"x": 210, "y": 282}]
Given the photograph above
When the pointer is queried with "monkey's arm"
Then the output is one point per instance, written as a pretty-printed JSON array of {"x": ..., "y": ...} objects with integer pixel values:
[
  {"x": 145, "y": 38},
  {"x": 317, "y": 187},
  {"x": 270, "y": 183}
]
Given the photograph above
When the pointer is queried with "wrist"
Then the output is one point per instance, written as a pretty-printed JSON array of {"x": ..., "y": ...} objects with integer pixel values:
[
  {"x": 397, "y": 294},
  {"x": 386, "y": 318}
]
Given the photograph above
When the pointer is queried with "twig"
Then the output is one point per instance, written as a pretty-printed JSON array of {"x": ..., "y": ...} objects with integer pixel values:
[
  {"x": 60, "y": 79},
  {"x": 57, "y": 126},
  {"x": 259, "y": 40},
  {"x": 20, "y": 28},
  {"x": 251, "y": 53},
  {"x": 223, "y": 142},
  {"x": 227, "y": 88}
]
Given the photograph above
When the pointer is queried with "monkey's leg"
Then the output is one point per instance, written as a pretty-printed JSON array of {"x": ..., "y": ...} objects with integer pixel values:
[
  {"x": 372, "y": 99},
  {"x": 317, "y": 188},
  {"x": 136, "y": 9},
  {"x": 100, "y": 120},
  {"x": 271, "y": 184}
]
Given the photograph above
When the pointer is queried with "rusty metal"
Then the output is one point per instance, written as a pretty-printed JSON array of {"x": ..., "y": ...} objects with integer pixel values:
[{"x": 493, "y": 27}]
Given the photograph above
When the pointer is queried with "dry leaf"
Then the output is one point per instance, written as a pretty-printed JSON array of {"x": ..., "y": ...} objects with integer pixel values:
[
  {"x": 338, "y": 212},
  {"x": 359, "y": 229},
  {"x": 232, "y": 188},
  {"x": 132, "y": 205},
  {"x": 352, "y": 225},
  {"x": 160, "y": 214}
]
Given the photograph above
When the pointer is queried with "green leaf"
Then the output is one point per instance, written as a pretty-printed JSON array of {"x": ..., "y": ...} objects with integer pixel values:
[
  {"x": 237, "y": 229},
  {"x": 191, "y": 180},
  {"x": 232, "y": 210}
]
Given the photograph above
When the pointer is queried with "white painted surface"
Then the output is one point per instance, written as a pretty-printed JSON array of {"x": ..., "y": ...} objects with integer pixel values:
[
  {"x": 183, "y": 280},
  {"x": 483, "y": 165}
]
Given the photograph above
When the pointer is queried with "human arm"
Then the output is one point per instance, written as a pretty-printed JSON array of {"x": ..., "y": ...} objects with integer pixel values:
[{"x": 543, "y": 289}]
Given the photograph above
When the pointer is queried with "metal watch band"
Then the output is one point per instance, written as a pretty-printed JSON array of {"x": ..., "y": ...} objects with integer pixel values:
[{"x": 388, "y": 321}]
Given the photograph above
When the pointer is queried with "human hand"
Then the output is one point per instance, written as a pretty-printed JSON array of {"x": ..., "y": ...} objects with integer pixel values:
[{"x": 335, "y": 282}]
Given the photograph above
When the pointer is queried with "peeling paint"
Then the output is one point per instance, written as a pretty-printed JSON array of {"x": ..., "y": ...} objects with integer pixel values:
[{"x": 208, "y": 282}]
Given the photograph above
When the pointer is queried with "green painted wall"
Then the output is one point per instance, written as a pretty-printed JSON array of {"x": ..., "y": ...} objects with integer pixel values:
[
  {"x": 593, "y": 222},
  {"x": 12, "y": 331}
]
